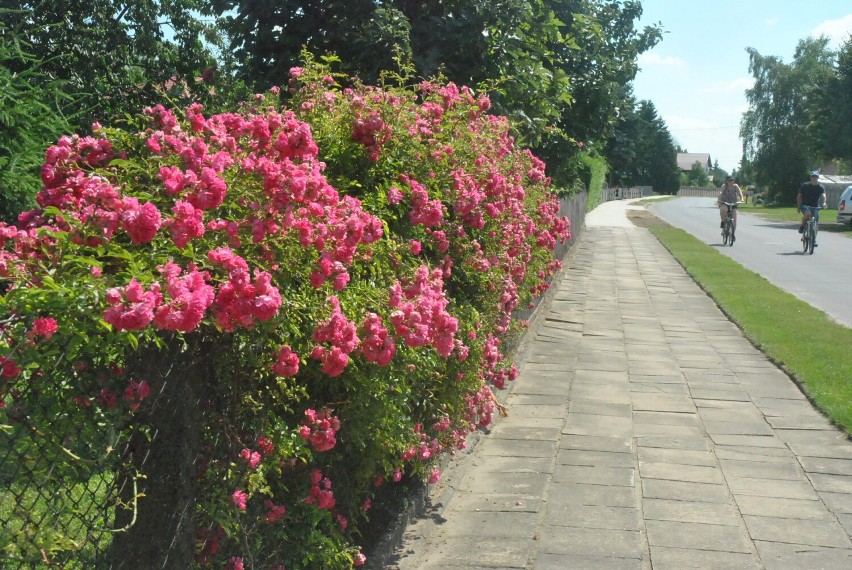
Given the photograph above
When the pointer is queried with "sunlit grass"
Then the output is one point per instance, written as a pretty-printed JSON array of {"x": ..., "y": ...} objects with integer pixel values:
[
  {"x": 811, "y": 346},
  {"x": 827, "y": 217}
]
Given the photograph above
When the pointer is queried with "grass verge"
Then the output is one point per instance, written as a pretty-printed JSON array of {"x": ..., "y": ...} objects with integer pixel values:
[
  {"x": 810, "y": 346},
  {"x": 827, "y": 217}
]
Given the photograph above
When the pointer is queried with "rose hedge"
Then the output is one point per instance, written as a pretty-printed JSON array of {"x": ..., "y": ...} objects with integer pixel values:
[{"x": 347, "y": 265}]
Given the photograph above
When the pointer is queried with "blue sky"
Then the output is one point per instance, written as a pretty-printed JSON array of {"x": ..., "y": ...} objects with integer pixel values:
[{"x": 697, "y": 75}]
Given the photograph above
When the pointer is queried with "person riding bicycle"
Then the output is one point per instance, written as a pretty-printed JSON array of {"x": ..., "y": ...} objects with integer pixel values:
[
  {"x": 811, "y": 195},
  {"x": 731, "y": 193}
]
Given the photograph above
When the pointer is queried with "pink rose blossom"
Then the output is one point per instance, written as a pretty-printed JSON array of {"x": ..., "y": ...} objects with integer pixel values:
[
  {"x": 274, "y": 512},
  {"x": 239, "y": 499},
  {"x": 252, "y": 458},
  {"x": 141, "y": 222},
  {"x": 44, "y": 327},
  {"x": 131, "y": 307},
  {"x": 286, "y": 363}
]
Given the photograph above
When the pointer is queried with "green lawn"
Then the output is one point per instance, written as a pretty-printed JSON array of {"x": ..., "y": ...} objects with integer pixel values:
[
  {"x": 827, "y": 217},
  {"x": 813, "y": 348}
]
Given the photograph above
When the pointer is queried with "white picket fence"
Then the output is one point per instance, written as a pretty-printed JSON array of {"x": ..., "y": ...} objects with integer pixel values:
[
  {"x": 626, "y": 193},
  {"x": 696, "y": 192}
]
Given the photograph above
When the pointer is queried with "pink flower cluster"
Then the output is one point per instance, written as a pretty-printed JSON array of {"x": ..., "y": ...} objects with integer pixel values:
[
  {"x": 480, "y": 406},
  {"x": 376, "y": 345},
  {"x": 372, "y": 132},
  {"x": 8, "y": 368},
  {"x": 252, "y": 458},
  {"x": 136, "y": 392},
  {"x": 132, "y": 307},
  {"x": 240, "y": 499},
  {"x": 189, "y": 298},
  {"x": 420, "y": 314},
  {"x": 424, "y": 212},
  {"x": 140, "y": 221},
  {"x": 297, "y": 200},
  {"x": 321, "y": 493},
  {"x": 340, "y": 333},
  {"x": 44, "y": 327},
  {"x": 239, "y": 302},
  {"x": 319, "y": 428},
  {"x": 286, "y": 363},
  {"x": 274, "y": 513}
]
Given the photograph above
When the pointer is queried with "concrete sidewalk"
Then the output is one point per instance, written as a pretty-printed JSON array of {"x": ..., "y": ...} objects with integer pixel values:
[{"x": 644, "y": 432}]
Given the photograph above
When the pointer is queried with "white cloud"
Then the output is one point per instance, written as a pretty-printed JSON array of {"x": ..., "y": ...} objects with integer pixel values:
[
  {"x": 836, "y": 30},
  {"x": 769, "y": 22},
  {"x": 654, "y": 59}
]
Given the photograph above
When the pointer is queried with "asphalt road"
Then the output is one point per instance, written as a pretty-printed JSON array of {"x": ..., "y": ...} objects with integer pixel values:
[{"x": 774, "y": 251}]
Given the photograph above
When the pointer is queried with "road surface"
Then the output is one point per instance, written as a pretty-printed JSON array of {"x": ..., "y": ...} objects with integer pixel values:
[{"x": 774, "y": 251}]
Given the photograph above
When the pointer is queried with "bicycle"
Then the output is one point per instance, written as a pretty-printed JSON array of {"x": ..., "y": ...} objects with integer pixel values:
[
  {"x": 810, "y": 233},
  {"x": 728, "y": 227}
]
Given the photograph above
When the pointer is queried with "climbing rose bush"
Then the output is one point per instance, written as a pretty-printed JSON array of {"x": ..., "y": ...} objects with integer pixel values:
[{"x": 349, "y": 263}]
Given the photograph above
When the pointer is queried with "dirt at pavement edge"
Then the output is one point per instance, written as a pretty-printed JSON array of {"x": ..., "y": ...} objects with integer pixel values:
[{"x": 644, "y": 218}]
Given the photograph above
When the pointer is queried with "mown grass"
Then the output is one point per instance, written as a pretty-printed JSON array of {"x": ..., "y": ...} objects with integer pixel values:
[
  {"x": 813, "y": 348},
  {"x": 783, "y": 214}
]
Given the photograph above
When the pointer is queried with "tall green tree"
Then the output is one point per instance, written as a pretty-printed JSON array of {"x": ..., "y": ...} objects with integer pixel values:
[
  {"x": 546, "y": 63},
  {"x": 837, "y": 110},
  {"x": 31, "y": 114},
  {"x": 600, "y": 57},
  {"x": 697, "y": 177},
  {"x": 642, "y": 152},
  {"x": 781, "y": 130},
  {"x": 718, "y": 174},
  {"x": 116, "y": 55}
]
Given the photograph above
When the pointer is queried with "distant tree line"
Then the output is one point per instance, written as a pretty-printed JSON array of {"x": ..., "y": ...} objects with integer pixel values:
[{"x": 799, "y": 116}]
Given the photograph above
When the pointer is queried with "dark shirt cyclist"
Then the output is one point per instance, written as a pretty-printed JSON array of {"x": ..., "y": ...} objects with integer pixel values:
[{"x": 811, "y": 195}]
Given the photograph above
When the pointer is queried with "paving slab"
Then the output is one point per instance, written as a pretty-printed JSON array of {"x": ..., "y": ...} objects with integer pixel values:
[
  {"x": 611, "y": 543},
  {"x": 690, "y": 511},
  {"x": 546, "y": 561},
  {"x": 664, "y": 558},
  {"x": 801, "y": 509},
  {"x": 791, "y": 531},
  {"x": 697, "y": 536},
  {"x": 782, "y": 556}
]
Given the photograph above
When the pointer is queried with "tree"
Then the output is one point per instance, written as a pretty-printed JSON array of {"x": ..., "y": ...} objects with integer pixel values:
[
  {"x": 780, "y": 131},
  {"x": 697, "y": 176},
  {"x": 31, "y": 116},
  {"x": 642, "y": 152},
  {"x": 546, "y": 64},
  {"x": 837, "y": 113},
  {"x": 116, "y": 55},
  {"x": 600, "y": 56},
  {"x": 718, "y": 174}
]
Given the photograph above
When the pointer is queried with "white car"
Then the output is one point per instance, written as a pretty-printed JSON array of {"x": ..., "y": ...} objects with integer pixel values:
[{"x": 844, "y": 207}]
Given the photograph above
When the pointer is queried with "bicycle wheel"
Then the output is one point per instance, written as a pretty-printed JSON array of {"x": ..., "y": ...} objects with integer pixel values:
[
  {"x": 806, "y": 240},
  {"x": 733, "y": 235},
  {"x": 726, "y": 232},
  {"x": 811, "y": 238}
]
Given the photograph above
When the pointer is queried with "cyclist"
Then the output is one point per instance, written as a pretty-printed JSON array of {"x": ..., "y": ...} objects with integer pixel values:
[
  {"x": 811, "y": 195},
  {"x": 732, "y": 193}
]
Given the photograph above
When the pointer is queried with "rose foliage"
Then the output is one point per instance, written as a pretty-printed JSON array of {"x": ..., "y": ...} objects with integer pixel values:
[{"x": 349, "y": 263}]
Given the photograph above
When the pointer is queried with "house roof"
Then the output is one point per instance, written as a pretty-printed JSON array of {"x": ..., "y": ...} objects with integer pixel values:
[
  {"x": 829, "y": 180},
  {"x": 685, "y": 160}
]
